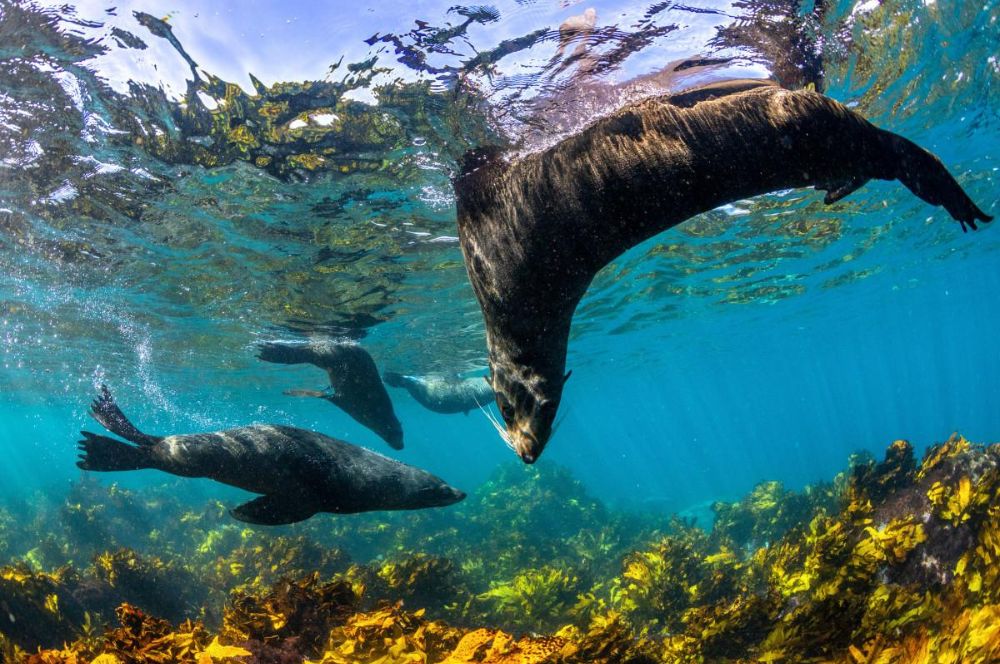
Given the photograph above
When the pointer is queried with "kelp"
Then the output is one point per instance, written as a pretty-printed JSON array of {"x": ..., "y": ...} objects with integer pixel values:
[
  {"x": 303, "y": 611},
  {"x": 894, "y": 561}
]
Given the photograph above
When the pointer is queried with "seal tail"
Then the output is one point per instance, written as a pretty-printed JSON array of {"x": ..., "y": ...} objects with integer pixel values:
[
  {"x": 106, "y": 454},
  {"x": 106, "y": 411},
  {"x": 927, "y": 177}
]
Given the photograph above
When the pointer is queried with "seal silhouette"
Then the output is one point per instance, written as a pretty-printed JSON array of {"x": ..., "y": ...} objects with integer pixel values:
[
  {"x": 357, "y": 386},
  {"x": 443, "y": 394},
  {"x": 299, "y": 472},
  {"x": 534, "y": 232}
]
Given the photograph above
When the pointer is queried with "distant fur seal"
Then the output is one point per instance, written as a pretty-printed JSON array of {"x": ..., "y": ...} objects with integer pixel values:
[
  {"x": 442, "y": 394},
  {"x": 535, "y": 232},
  {"x": 357, "y": 387},
  {"x": 299, "y": 472}
]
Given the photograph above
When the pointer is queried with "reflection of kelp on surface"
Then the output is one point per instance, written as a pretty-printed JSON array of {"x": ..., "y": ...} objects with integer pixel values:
[
  {"x": 87, "y": 197},
  {"x": 786, "y": 35},
  {"x": 893, "y": 562}
]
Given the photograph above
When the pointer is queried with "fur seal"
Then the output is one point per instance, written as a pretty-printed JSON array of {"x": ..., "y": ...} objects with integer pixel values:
[
  {"x": 357, "y": 387},
  {"x": 535, "y": 232},
  {"x": 299, "y": 472},
  {"x": 442, "y": 394}
]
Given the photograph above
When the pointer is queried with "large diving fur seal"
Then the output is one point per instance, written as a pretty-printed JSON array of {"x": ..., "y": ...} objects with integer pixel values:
[
  {"x": 442, "y": 394},
  {"x": 299, "y": 472},
  {"x": 357, "y": 387},
  {"x": 535, "y": 232}
]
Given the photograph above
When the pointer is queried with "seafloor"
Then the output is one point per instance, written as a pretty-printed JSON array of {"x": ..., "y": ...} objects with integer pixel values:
[{"x": 893, "y": 561}]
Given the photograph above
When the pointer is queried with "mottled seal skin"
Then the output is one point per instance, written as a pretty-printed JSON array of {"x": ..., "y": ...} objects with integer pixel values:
[
  {"x": 357, "y": 386},
  {"x": 535, "y": 232},
  {"x": 299, "y": 472},
  {"x": 442, "y": 394}
]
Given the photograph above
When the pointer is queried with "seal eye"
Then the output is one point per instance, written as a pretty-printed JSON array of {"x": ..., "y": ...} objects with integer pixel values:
[{"x": 505, "y": 408}]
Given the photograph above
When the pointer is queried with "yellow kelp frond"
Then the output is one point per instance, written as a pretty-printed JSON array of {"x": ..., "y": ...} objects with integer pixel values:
[
  {"x": 304, "y": 609},
  {"x": 892, "y": 563}
]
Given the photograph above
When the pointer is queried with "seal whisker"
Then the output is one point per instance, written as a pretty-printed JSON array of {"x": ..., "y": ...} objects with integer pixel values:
[
  {"x": 496, "y": 425},
  {"x": 562, "y": 418}
]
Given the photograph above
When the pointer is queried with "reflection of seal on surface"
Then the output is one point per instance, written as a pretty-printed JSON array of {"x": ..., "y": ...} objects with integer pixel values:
[
  {"x": 357, "y": 387},
  {"x": 441, "y": 394},
  {"x": 299, "y": 472},
  {"x": 535, "y": 232}
]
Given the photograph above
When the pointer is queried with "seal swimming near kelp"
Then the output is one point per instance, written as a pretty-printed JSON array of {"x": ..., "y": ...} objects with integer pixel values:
[
  {"x": 443, "y": 394},
  {"x": 536, "y": 231},
  {"x": 357, "y": 386},
  {"x": 299, "y": 472}
]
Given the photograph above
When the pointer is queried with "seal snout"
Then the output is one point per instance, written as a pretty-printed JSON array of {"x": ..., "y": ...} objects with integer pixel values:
[{"x": 526, "y": 445}]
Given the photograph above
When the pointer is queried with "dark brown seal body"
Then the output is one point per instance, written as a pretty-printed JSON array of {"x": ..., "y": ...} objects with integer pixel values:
[
  {"x": 535, "y": 232},
  {"x": 299, "y": 472},
  {"x": 357, "y": 386}
]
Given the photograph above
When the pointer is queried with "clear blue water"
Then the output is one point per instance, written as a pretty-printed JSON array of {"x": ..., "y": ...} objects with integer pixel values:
[{"x": 767, "y": 340}]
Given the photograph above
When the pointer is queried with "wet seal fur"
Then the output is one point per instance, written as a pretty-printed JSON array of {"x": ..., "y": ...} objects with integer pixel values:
[
  {"x": 357, "y": 386},
  {"x": 442, "y": 394},
  {"x": 535, "y": 232},
  {"x": 299, "y": 472}
]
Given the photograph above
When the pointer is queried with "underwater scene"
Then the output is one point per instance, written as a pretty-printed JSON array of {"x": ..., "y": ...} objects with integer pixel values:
[{"x": 539, "y": 331}]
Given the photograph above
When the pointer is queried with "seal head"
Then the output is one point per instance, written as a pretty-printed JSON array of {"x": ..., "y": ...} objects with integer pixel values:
[{"x": 528, "y": 402}]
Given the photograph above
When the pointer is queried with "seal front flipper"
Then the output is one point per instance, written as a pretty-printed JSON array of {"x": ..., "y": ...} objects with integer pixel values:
[
  {"x": 838, "y": 190},
  {"x": 274, "y": 510},
  {"x": 288, "y": 353},
  {"x": 393, "y": 379}
]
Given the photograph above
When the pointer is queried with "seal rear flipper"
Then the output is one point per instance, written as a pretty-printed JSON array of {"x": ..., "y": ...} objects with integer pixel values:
[
  {"x": 925, "y": 175},
  {"x": 273, "y": 510},
  {"x": 107, "y": 454},
  {"x": 106, "y": 411}
]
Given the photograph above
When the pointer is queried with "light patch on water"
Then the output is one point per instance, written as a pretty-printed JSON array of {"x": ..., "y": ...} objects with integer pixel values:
[
  {"x": 71, "y": 86},
  {"x": 297, "y": 124},
  {"x": 865, "y": 7},
  {"x": 209, "y": 101},
  {"x": 436, "y": 198},
  {"x": 32, "y": 151},
  {"x": 324, "y": 119},
  {"x": 100, "y": 167},
  {"x": 95, "y": 126},
  {"x": 66, "y": 192},
  {"x": 143, "y": 173},
  {"x": 733, "y": 211}
]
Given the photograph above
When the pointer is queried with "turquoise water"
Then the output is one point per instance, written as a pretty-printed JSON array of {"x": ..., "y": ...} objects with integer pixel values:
[{"x": 769, "y": 339}]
